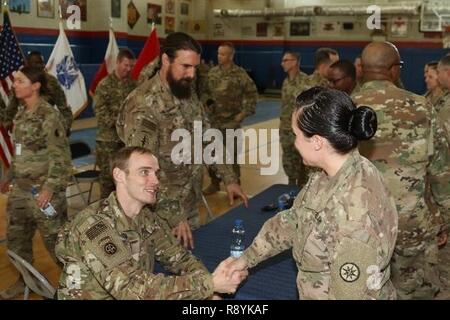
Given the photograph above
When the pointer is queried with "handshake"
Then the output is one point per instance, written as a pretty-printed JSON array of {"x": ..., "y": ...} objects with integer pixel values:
[{"x": 229, "y": 274}]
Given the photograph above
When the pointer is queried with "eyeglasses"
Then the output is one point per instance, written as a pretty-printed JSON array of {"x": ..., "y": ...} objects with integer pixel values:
[
  {"x": 400, "y": 64},
  {"x": 334, "y": 81},
  {"x": 285, "y": 60}
]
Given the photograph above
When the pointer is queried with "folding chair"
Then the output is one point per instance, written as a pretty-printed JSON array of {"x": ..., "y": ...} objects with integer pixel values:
[
  {"x": 34, "y": 281},
  {"x": 81, "y": 149}
]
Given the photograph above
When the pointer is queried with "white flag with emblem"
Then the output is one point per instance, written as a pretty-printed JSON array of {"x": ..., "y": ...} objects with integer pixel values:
[{"x": 62, "y": 65}]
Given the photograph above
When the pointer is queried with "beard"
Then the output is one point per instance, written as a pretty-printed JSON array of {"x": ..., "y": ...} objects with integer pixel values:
[{"x": 182, "y": 88}]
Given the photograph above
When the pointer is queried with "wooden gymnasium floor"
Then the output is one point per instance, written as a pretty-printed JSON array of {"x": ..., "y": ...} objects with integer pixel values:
[{"x": 252, "y": 183}]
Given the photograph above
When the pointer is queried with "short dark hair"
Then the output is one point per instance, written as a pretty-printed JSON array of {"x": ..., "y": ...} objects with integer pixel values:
[
  {"x": 125, "y": 53},
  {"x": 36, "y": 75},
  {"x": 323, "y": 56},
  {"x": 35, "y": 53},
  {"x": 332, "y": 114},
  {"x": 229, "y": 45},
  {"x": 296, "y": 55},
  {"x": 445, "y": 61},
  {"x": 432, "y": 64},
  {"x": 179, "y": 41},
  {"x": 121, "y": 158},
  {"x": 347, "y": 67}
]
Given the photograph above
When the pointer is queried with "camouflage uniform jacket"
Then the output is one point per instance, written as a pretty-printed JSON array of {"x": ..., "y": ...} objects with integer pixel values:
[
  {"x": 316, "y": 79},
  {"x": 342, "y": 232},
  {"x": 233, "y": 92},
  {"x": 109, "y": 96},
  {"x": 42, "y": 155},
  {"x": 444, "y": 114},
  {"x": 436, "y": 100},
  {"x": 149, "y": 70},
  {"x": 410, "y": 151},
  {"x": 56, "y": 97},
  {"x": 288, "y": 95},
  {"x": 107, "y": 255},
  {"x": 147, "y": 118}
]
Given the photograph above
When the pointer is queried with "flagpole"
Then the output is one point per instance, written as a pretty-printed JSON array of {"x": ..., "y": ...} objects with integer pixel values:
[{"x": 5, "y": 6}]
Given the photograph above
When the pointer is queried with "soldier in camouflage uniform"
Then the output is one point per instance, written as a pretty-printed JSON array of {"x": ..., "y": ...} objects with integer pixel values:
[
  {"x": 292, "y": 162},
  {"x": 443, "y": 105},
  {"x": 323, "y": 59},
  {"x": 343, "y": 225},
  {"x": 342, "y": 76},
  {"x": 42, "y": 160},
  {"x": 109, "y": 249},
  {"x": 55, "y": 96},
  {"x": 149, "y": 71},
  {"x": 410, "y": 151},
  {"x": 231, "y": 96},
  {"x": 150, "y": 115},
  {"x": 434, "y": 90},
  {"x": 109, "y": 96},
  {"x": 443, "y": 108}
]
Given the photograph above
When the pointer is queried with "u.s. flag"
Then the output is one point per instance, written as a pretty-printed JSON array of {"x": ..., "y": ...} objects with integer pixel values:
[{"x": 11, "y": 59}]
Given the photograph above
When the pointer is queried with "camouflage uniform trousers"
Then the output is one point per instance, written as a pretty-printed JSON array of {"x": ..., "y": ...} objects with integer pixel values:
[
  {"x": 414, "y": 273},
  {"x": 236, "y": 169},
  {"x": 104, "y": 151},
  {"x": 292, "y": 161},
  {"x": 444, "y": 271},
  {"x": 24, "y": 217}
]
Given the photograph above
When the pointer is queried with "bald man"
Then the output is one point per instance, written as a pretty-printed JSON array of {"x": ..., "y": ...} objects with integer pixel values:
[{"x": 410, "y": 151}]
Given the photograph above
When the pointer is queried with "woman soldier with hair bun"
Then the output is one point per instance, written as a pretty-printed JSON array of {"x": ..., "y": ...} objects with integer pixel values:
[{"x": 342, "y": 227}]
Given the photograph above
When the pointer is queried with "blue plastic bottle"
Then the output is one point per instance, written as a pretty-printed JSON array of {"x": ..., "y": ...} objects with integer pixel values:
[{"x": 237, "y": 242}]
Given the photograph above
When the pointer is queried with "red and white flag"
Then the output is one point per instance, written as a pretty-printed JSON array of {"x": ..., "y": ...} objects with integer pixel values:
[
  {"x": 11, "y": 59},
  {"x": 108, "y": 65},
  {"x": 149, "y": 53}
]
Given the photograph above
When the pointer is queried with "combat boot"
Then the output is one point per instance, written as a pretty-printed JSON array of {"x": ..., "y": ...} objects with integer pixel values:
[
  {"x": 212, "y": 188},
  {"x": 13, "y": 291}
]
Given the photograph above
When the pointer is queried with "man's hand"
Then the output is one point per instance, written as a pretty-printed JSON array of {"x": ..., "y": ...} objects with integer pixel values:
[
  {"x": 225, "y": 284},
  {"x": 44, "y": 197},
  {"x": 235, "y": 265},
  {"x": 233, "y": 190},
  {"x": 239, "y": 117},
  {"x": 4, "y": 186},
  {"x": 184, "y": 234},
  {"x": 442, "y": 238}
]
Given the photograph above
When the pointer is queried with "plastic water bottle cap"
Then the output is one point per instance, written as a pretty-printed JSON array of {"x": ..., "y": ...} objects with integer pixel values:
[
  {"x": 238, "y": 222},
  {"x": 34, "y": 190}
]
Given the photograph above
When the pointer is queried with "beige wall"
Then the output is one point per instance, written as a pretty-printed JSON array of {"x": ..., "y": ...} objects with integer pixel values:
[{"x": 200, "y": 12}]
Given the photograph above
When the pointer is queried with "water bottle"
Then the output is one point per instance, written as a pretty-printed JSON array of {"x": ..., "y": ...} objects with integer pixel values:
[
  {"x": 48, "y": 210},
  {"x": 237, "y": 243}
]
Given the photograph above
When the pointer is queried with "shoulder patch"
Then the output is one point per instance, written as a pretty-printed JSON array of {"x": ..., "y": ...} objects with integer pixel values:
[
  {"x": 349, "y": 272},
  {"x": 96, "y": 230}
]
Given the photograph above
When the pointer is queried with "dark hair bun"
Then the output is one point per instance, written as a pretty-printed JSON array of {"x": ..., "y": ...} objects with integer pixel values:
[{"x": 363, "y": 123}]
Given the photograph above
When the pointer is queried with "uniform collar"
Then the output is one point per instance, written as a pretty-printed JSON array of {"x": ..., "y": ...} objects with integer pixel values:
[
  {"x": 338, "y": 181},
  {"x": 375, "y": 84},
  {"x": 122, "y": 222}
]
